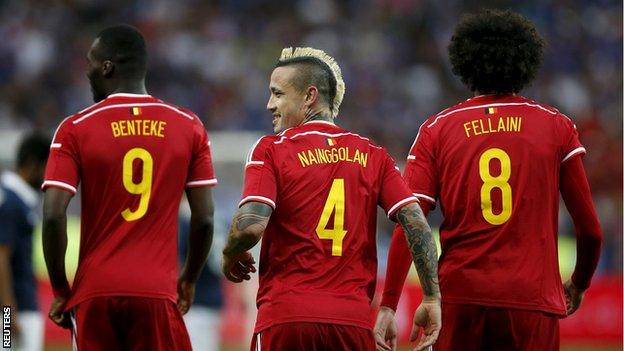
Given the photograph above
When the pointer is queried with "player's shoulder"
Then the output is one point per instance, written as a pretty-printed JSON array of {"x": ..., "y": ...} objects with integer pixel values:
[
  {"x": 258, "y": 149},
  {"x": 183, "y": 111}
]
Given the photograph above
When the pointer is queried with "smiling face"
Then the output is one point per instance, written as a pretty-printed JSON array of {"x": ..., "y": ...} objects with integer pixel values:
[{"x": 287, "y": 104}]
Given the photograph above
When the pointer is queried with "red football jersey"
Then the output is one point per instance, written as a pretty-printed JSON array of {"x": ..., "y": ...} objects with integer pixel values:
[
  {"x": 318, "y": 261},
  {"x": 132, "y": 155},
  {"x": 493, "y": 164}
]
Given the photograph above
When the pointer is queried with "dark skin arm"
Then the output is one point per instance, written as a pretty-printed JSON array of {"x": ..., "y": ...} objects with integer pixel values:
[
  {"x": 200, "y": 240},
  {"x": 246, "y": 230},
  {"x": 54, "y": 234}
]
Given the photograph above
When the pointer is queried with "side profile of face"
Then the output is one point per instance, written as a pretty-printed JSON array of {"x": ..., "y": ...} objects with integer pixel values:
[
  {"x": 286, "y": 103},
  {"x": 95, "y": 71}
]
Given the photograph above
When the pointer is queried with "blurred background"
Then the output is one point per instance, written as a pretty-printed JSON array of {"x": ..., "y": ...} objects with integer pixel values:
[{"x": 215, "y": 57}]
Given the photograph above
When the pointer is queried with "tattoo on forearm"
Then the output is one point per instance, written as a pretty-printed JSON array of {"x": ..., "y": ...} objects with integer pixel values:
[
  {"x": 251, "y": 217},
  {"x": 422, "y": 247}
]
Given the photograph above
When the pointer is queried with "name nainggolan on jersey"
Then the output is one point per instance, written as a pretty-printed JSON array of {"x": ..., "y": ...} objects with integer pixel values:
[{"x": 317, "y": 156}]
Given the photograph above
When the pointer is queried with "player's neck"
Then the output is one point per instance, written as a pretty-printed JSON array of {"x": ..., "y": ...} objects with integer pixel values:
[
  {"x": 318, "y": 117},
  {"x": 130, "y": 87}
]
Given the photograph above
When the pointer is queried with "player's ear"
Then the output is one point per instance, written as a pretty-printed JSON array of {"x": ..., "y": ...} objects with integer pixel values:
[
  {"x": 311, "y": 95},
  {"x": 107, "y": 68}
]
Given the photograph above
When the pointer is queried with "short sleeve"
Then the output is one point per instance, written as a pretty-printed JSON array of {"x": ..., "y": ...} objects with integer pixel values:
[
  {"x": 394, "y": 193},
  {"x": 200, "y": 172},
  {"x": 63, "y": 166},
  {"x": 260, "y": 179},
  {"x": 569, "y": 139},
  {"x": 420, "y": 171}
]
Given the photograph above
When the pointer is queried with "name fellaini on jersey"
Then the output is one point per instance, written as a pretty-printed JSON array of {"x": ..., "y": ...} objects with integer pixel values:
[
  {"x": 319, "y": 156},
  {"x": 138, "y": 127},
  {"x": 492, "y": 124}
]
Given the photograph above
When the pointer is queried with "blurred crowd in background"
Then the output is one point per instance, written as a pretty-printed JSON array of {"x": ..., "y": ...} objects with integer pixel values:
[{"x": 215, "y": 57}]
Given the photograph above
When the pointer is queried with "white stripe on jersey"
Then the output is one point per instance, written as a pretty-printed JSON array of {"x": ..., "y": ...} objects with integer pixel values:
[
  {"x": 60, "y": 185},
  {"x": 132, "y": 105},
  {"x": 578, "y": 150},
  {"x": 426, "y": 197},
  {"x": 255, "y": 197},
  {"x": 398, "y": 204},
  {"x": 490, "y": 105}
]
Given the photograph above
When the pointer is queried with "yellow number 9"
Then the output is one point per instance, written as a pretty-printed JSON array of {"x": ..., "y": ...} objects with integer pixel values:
[
  {"x": 490, "y": 182},
  {"x": 144, "y": 187}
]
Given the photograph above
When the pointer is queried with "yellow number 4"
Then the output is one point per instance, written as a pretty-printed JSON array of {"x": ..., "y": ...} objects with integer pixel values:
[
  {"x": 144, "y": 187},
  {"x": 490, "y": 182},
  {"x": 335, "y": 203}
]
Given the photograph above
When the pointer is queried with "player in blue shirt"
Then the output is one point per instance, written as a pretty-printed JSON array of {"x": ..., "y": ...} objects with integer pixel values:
[{"x": 19, "y": 203}]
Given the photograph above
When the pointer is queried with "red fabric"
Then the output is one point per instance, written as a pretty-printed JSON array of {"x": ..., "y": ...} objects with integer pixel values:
[
  {"x": 129, "y": 323},
  {"x": 313, "y": 337},
  {"x": 511, "y": 262},
  {"x": 301, "y": 280},
  {"x": 398, "y": 264},
  {"x": 478, "y": 328},
  {"x": 119, "y": 256},
  {"x": 577, "y": 197}
]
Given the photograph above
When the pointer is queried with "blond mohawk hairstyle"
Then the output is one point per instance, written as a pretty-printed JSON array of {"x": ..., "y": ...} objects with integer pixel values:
[{"x": 291, "y": 53}]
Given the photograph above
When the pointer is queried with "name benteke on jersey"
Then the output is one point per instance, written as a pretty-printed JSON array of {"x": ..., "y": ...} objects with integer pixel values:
[
  {"x": 489, "y": 125},
  {"x": 316, "y": 156},
  {"x": 139, "y": 127}
]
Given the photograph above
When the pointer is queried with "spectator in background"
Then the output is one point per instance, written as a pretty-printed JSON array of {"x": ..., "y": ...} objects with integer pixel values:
[
  {"x": 19, "y": 199},
  {"x": 203, "y": 320}
]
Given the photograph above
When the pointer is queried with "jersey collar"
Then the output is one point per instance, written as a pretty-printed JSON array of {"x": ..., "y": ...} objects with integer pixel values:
[{"x": 129, "y": 95}]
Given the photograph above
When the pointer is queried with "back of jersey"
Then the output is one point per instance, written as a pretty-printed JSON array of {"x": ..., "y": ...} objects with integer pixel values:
[
  {"x": 318, "y": 259},
  {"x": 493, "y": 162},
  {"x": 133, "y": 155}
]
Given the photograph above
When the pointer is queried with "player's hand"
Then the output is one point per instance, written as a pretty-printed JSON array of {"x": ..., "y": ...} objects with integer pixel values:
[
  {"x": 56, "y": 314},
  {"x": 238, "y": 268},
  {"x": 186, "y": 295},
  {"x": 386, "y": 330},
  {"x": 573, "y": 297},
  {"x": 428, "y": 317}
]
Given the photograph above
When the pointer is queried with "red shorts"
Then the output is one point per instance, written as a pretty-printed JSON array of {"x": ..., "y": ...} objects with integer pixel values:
[
  {"x": 313, "y": 337},
  {"x": 473, "y": 327},
  {"x": 128, "y": 323}
]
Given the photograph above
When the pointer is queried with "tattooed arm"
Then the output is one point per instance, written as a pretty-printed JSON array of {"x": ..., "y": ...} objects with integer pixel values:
[
  {"x": 422, "y": 247},
  {"x": 428, "y": 315},
  {"x": 247, "y": 228}
]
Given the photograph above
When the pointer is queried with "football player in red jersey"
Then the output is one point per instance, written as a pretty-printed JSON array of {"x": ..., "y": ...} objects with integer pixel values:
[
  {"x": 311, "y": 192},
  {"x": 496, "y": 164},
  {"x": 133, "y": 156}
]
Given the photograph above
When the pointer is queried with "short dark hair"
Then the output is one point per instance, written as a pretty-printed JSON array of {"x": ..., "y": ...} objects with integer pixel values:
[
  {"x": 312, "y": 71},
  {"x": 33, "y": 148},
  {"x": 125, "y": 46},
  {"x": 496, "y": 52}
]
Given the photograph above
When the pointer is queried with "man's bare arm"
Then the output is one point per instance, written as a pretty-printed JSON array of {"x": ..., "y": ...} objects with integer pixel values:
[
  {"x": 422, "y": 247},
  {"x": 201, "y": 232},
  {"x": 248, "y": 224},
  {"x": 54, "y": 233}
]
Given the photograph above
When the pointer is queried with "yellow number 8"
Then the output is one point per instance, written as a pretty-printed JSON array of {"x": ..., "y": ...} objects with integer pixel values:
[
  {"x": 490, "y": 182},
  {"x": 144, "y": 187}
]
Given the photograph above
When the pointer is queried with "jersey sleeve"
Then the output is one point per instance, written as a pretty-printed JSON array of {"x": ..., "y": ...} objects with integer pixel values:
[
  {"x": 260, "y": 182},
  {"x": 420, "y": 171},
  {"x": 394, "y": 193},
  {"x": 570, "y": 145},
  {"x": 200, "y": 172},
  {"x": 63, "y": 166}
]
